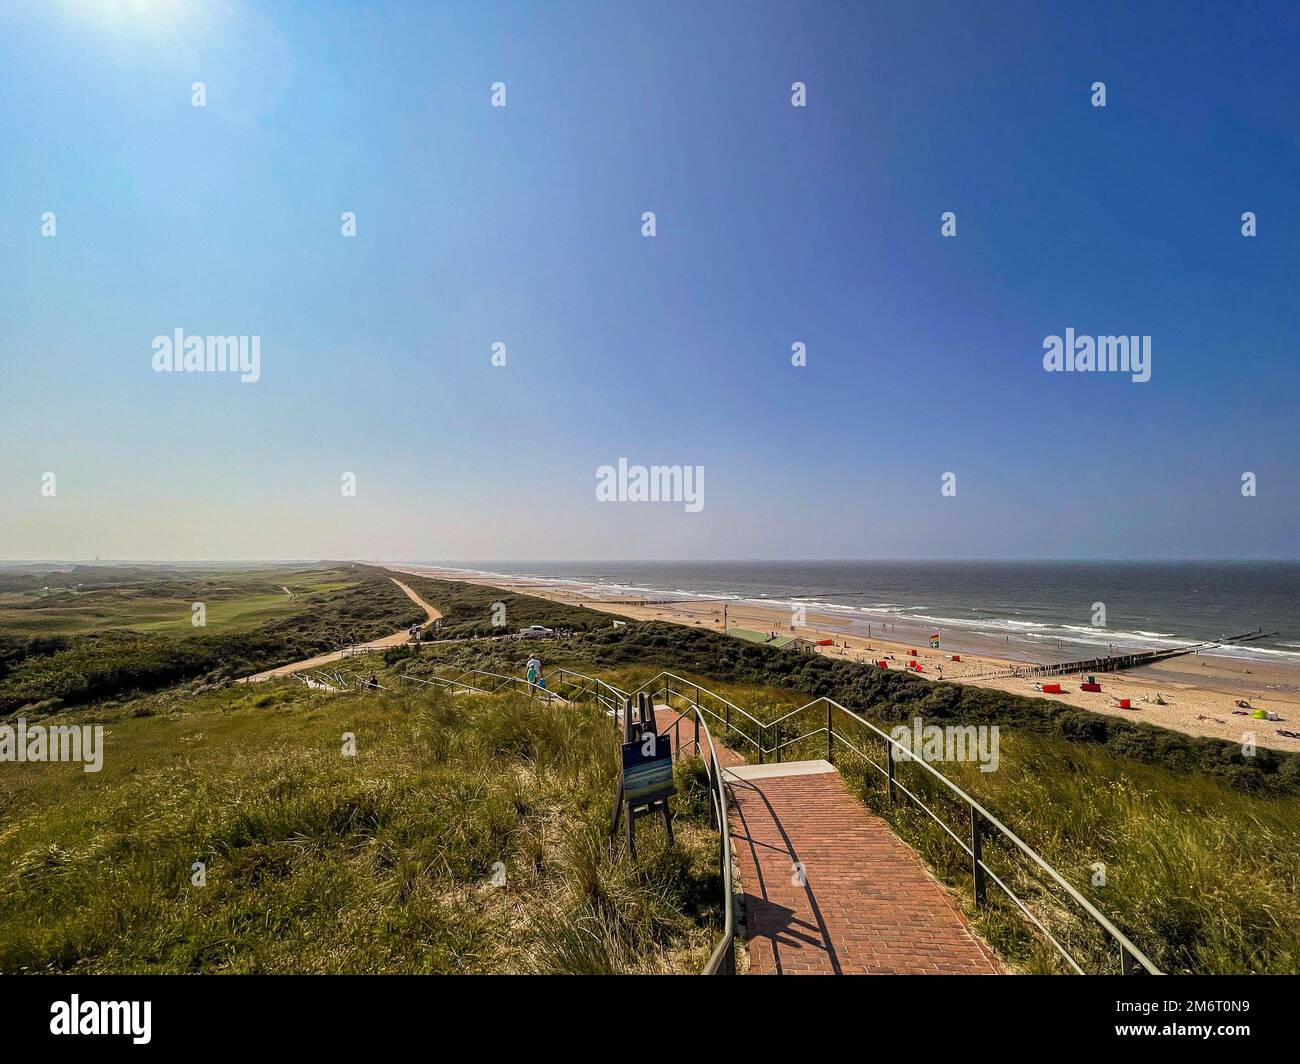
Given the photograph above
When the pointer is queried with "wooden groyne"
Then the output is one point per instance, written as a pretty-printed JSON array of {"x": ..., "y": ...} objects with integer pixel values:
[{"x": 1118, "y": 662}]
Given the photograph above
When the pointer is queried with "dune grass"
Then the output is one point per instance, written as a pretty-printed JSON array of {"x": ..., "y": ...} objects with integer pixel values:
[{"x": 318, "y": 862}]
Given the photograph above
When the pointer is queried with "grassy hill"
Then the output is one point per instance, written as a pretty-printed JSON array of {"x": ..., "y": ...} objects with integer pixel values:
[
  {"x": 330, "y": 607},
  {"x": 156, "y": 599},
  {"x": 317, "y": 862}
]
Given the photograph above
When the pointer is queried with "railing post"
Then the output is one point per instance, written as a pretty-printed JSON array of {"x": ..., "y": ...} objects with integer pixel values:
[
  {"x": 1125, "y": 961},
  {"x": 830, "y": 735},
  {"x": 889, "y": 770},
  {"x": 977, "y": 855},
  {"x": 762, "y": 741},
  {"x": 697, "y": 718}
]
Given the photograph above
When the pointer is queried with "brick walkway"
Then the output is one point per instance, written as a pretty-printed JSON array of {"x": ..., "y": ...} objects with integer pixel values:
[{"x": 864, "y": 905}]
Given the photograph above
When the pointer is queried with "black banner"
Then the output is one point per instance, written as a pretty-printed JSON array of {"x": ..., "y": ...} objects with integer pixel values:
[{"x": 505, "y": 1014}]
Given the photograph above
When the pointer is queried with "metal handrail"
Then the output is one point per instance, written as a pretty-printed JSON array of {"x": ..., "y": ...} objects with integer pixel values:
[
  {"x": 979, "y": 815},
  {"x": 665, "y": 674},
  {"x": 441, "y": 683},
  {"x": 669, "y": 692},
  {"x": 722, "y": 718},
  {"x": 606, "y": 693},
  {"x": 532, "y": 690},
  {"x": 723, "y": 958},
  {"x": 324, "y": 680},
  {"x": 722, "y": 961}
]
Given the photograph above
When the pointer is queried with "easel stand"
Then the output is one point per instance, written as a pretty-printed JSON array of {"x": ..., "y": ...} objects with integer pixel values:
[{"x": 635, "y": 728}]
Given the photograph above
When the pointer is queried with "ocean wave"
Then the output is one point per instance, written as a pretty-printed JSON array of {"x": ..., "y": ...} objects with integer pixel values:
[{"x": 977, "y": 620}]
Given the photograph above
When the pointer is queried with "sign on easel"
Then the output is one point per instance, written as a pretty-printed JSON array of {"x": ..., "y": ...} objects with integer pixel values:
[
  {"x": 646, "y": 782},
  {"x": 648, "y": 769}
]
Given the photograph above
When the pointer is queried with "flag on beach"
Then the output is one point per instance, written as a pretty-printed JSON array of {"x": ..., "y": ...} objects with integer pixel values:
[{"x": 934, "y": 639}]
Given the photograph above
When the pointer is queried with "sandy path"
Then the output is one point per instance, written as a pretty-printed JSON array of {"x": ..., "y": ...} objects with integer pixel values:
[
  {"x": 396, "y": 639},
  {"x": 1200, "y": 691}
]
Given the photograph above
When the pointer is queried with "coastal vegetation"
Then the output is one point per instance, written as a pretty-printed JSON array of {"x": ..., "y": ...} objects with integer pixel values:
[
  {"x": 317, "y": 861},
  {"x": 58, "y": 663},
  {"x": 473, "y": 611},
  {"x": 229, "y": 832}
]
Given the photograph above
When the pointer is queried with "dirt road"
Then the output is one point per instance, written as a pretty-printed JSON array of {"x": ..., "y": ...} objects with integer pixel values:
[{"x": 396, "y": 639}]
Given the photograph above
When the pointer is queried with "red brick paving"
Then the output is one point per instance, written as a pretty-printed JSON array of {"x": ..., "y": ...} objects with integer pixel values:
[{"x": 866, "y": 904}]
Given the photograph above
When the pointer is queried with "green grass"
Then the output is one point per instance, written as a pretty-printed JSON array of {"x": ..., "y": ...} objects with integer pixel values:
[
  {"x": 318, "y": 862},
  {"x": 161, "y": 601},
  {"x": 40, "y": 675}
]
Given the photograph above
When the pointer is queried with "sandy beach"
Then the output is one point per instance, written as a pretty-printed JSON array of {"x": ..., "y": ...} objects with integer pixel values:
[{"x": 1199, "y": 691}]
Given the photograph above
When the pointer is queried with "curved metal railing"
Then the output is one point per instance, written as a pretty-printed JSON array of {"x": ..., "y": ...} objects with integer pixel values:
[
  {"x": 721, "y": 709},
  {"x": 1131, "y": 959},
  {"x": 486, "y": 683},
  {"x": 578, "y": 686},
  {"x": 616, "y": 702},
  {"x": 765, "y": 738},
  {"x": 723, "y": 959}
]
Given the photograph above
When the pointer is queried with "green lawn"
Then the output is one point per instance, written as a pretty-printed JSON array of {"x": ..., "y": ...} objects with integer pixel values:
[{"x": 236, "y": 601}]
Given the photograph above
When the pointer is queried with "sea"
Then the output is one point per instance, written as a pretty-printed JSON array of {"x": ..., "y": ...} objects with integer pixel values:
[{"x": 1039, "y": 610}]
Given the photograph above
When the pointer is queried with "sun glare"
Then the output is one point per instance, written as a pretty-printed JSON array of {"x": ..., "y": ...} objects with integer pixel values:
[{"x": 140, "y": 20}]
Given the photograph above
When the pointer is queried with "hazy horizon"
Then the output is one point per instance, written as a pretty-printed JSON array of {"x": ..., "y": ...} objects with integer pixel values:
[{"x": 470, "y": 562}]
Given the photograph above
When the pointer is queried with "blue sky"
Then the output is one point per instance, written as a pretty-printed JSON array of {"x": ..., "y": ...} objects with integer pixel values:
[{"x": 522, "y": 224}]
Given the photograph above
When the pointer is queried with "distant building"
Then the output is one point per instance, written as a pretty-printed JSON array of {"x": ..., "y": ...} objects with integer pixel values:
[{"x": 793, "y": 643}]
